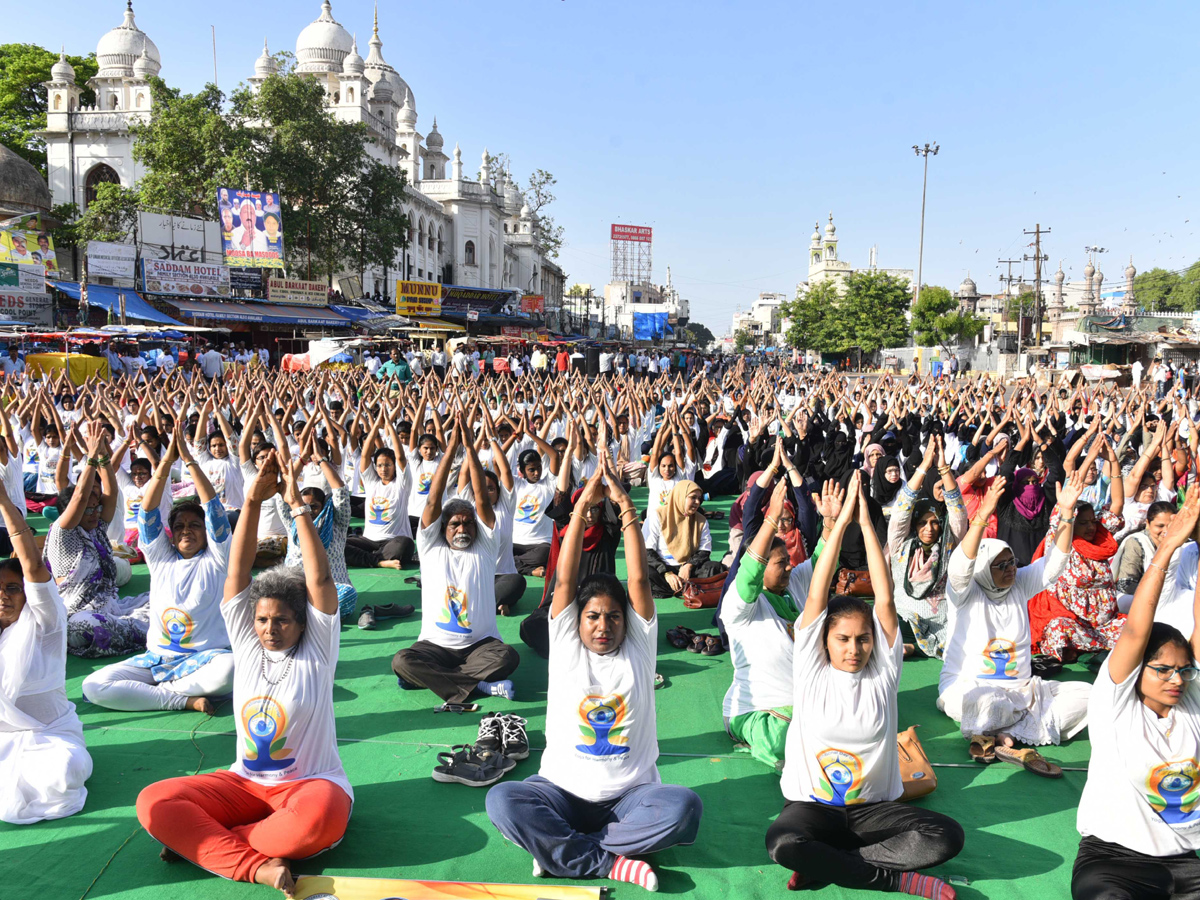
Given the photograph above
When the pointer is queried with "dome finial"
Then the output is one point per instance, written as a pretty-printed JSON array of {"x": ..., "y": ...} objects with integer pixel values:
[{"x": 376, "y": 17}]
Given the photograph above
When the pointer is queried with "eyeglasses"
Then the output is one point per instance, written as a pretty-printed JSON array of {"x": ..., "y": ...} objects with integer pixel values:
[
  {"x": 91, "y": 510},
  {"x": 1166, "y": 673},
  {"x": 12, "y": 590},
  {"x": 1007, "y": 566}
]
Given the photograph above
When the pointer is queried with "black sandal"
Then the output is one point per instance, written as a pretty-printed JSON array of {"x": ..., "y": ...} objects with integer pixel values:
[
  {"x": 680, "y": 637},
  {"x": 463, "y": 765}
]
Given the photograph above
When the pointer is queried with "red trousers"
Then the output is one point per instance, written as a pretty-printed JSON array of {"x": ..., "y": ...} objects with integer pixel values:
[{"x": 230, "y": 825}]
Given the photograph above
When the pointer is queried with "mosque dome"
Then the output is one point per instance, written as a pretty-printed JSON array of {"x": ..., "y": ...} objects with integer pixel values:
[
  {"x": 434, "y": 140},
  {"x": 1060, "y": 276},
  {"x": 816, "y": 235},
  {"x": 323, "y": 44},
  {"x": 968, "y": 288},
  {"x": 1130, "y": 271},
  {"x": 408, "y": 115},
  {"x": 353, "y": 63},
  {"x": 1089, "y": 270},
  {"x": 22, "y": 188},
  {"x": 265, "y": 65},
  {"x": 119, "y": 50},
  {"x": 830, "y": 230},
  {"x": 145, "y": 67},
  {"x": 378, "y": 71},
  {"x": 63, "y": 71},
  {"x": 526, "y": 212}
]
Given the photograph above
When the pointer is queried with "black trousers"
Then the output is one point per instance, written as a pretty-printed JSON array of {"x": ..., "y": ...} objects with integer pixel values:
[
  {"x": 658, "y": 580},
  {"x": 509, "y": 590},
  {"x": 454, "y": 674},
  {"x": 530, "y": 556},
  {"x": 441, "y": 372},
  {"x": 1105, "y": 871},
  {"x": 866, "y": 846},
  {"x": 720, "y": 484},
  {"x": 364, "y": 553},
  {"x": 535, "y": 631}
]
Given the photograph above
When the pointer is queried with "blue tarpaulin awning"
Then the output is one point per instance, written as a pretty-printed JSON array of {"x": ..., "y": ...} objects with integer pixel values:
[
  {"x": 105, "y": 296},
  {"x": 357, "y": 313},
  {"x": 266, "y": 313}
]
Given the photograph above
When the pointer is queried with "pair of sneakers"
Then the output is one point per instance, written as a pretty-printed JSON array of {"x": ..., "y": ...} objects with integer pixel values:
[{"x": 371, "y": 614}]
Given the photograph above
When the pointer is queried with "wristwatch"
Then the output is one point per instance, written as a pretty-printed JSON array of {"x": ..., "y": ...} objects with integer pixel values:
[{"x": 298, "y": 511}]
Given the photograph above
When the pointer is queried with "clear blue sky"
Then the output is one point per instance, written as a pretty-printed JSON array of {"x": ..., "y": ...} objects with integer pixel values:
[{"x": 731, "y": 127}]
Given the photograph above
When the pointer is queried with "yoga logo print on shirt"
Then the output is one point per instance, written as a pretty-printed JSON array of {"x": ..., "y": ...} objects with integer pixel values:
[
  {"x": 999, "y": 660},
  {"x": 602, "y": 724},
  {"x": 454, "y": 615},
  {"x": 380, "y": 510},
  {"x": 1173, "y": 792},
  {"x": 843, "y": 777},
  {"x": 527, "y": 508},
  {"x": 133, "y": 505},
  {"x": 177, "y": 628},
  {"x": 423, "y": 481},
  {"x": 665, "y": 495},
  {"x": 265, "y": 721}
]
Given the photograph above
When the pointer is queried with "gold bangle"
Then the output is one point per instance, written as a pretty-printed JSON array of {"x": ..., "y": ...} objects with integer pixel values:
[
  {"x": 774, "y": 522},
  {"x": 977, "y": 521}
]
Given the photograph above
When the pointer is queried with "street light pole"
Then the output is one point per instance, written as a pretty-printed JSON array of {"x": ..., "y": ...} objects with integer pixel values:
[{"x": 926, "y": 151}]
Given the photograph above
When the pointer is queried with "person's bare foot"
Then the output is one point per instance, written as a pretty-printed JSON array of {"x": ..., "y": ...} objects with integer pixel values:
[
  {"x": 539, "y": 572},
  {"x": 276, "y": 873},
  {"x": 390, "y": 564},
  {"x": 201, "y": 704},
  {"x": 504, "y": 610},
  {"x": 167, "y": 855}
]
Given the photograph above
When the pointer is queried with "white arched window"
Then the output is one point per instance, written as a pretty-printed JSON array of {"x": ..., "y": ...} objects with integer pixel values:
[{"x": 469, "y": 253}]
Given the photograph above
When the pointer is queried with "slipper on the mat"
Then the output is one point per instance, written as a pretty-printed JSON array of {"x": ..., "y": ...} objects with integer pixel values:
[
  {"x": 983, "y": 748},
  {"x": 1028, "y": 759},
  {"x": 679, "y": 637}
]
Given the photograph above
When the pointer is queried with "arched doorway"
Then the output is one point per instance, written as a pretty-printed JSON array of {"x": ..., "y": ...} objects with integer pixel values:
[{"x": 96, "y": 176}]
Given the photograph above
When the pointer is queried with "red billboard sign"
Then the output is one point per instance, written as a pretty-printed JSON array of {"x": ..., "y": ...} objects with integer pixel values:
[
  {"x": 640, "y": 233},
  {"x": 533, "y": 303}
]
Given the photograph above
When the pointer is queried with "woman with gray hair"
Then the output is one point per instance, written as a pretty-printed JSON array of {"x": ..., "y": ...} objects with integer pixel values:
[{"x": 284, "y": 629}]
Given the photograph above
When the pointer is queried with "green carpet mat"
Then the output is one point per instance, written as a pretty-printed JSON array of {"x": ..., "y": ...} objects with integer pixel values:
[{"x": 1021, "y": 837}]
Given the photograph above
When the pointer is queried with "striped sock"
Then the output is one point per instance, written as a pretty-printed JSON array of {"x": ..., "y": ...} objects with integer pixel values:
[
  {"x": 634, "y": 871},
  {"x": 926, "y": 886}
]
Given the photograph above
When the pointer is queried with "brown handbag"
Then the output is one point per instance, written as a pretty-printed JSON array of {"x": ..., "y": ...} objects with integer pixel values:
[
  {"x": 703, "y": 593},
  {"x": 915, "y": 770},
  {"x": 854, "y": 582}
]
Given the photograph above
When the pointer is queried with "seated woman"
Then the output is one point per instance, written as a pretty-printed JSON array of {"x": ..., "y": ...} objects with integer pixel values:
[
  {"x": 43, "y": 760},
  {"x": 886, "y": 481},
  {"x": 1136, "y": 551},
  {"x": 678, "y": 541},
  {"x": 287, "y": 797},
  {"x": 757, "y": 614},
  {"x": 842, "y": 823},
  {"x": 386, "y": 541},
  {"x": 922, "y": 531},
  {"x": 987, "y": 684},
  {"x": 598, "y": 799},
  {"x": 1136, "y": 817},
  {"x": 187, "y": 658},
  {"x": 459, "y": 651},
  {"x": 532, "y": 528},
  {"x": 79, "y": 556},
  {"x": 1079, "y": 613}
]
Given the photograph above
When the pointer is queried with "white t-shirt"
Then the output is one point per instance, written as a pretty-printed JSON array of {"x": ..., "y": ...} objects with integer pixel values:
[
  {"x": 458, "y": 588},
  {"x": 47, "y": 462},
  {"x": 601, "y": 731},
  {"x": 422, "y": 476},
  {"x": 269, "y": 522},
  {"x": 185, "y": 594},
  {"x": 385, "y": 513},
  {"x": 286, "y": 731},
  {"x": 13, "y": 474},
  {"x": 131, "y": 495},
  {"x": 531, "y": 525},
  {"x": 660, "y": 488},
  {"x": 225, "y": 476},
  {"x": 505, "y": 563},
  {"x": 1141, "y": 789},
  {"x": 841, "y": 745},
  {"x": 652, "y": 533},
  {"x": 760, "y": 647}
]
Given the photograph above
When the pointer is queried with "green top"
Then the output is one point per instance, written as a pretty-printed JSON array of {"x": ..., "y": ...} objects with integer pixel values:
[{"x": 749, "y": 584}]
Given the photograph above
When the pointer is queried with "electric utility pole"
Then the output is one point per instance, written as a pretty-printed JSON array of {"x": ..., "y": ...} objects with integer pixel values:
[
  {"x": 1038, "y": 258},
  {"x": 1008, "y": 280},
  {"x": 926, "y": 151}
]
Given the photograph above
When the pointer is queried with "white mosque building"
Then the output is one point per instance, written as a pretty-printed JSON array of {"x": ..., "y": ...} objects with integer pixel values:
[{"x": 473, "y": 231}]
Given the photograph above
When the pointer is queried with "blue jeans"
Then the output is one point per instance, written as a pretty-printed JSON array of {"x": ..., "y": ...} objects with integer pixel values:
[{"x": 575, "y": 838}]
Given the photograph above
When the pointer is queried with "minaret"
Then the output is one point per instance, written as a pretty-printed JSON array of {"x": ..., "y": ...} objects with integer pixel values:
[
  {"x": 485, "y": 169},
  {"x": 1087, "y": 306},
  {"x": 1129, "y": 305},
  {"x": 1055, "y": 307},
  {"x": 814, "y": 248},
  {"x": 456, "y": 170},
  {"x": 62, "y": 94}
]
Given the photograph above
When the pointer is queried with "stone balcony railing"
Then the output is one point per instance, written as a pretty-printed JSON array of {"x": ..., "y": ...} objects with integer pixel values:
[{"x": 103, "y": 119}]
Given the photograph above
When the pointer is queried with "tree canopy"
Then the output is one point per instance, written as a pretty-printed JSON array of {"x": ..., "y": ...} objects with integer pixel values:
[
  {"x": 937, "y": 320},
  {"x": 866, "y": 312},
  {"x": 698, "y": 334},
  {"x": 1160, "y": 290},
  {"x": 23, "y": 103},
  {"x": 743, "y": 340}
]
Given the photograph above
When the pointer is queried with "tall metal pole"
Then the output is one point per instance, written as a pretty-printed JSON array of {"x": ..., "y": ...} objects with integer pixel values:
[{"x": 926, "y": 151}]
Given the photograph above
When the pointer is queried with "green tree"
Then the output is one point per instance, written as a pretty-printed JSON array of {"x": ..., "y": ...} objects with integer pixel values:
[
  {"x": 872, "y": 312},
  {"x": 742, "y": 340},
  {"x": 538, "y": 196},
  {"x": 814, "y": 318},
  {"x": 937, "y": 320},
  {"x": 1160, "y": 290},
  {"x": 23, "y": 102},
  {"x": 698, "y": 334},
  {"x": 378, "y": 227},
  {"x": 109, "y": 217}
]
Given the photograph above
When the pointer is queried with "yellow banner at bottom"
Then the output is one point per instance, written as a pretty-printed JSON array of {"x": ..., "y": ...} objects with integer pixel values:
[{"x": 314, "y": 887}]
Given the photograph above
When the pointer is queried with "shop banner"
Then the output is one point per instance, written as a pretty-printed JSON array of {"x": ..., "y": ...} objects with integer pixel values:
[
  {"x": 111, "y": 260},
  {"x": 246, "y": 279},
  {"x": 28, "y": 248},
  {"x": 418, "y": 298},
  {"x": 162, "y": 276},
  {"x": 251, "y": 228},
  {"x": 30, "y": 308},
  {"x": 179, "y": 238},
  {"x": 533, "y": 303},
  {"x": 22, "y": 278},
  {"x": 297, "y": 292}
]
